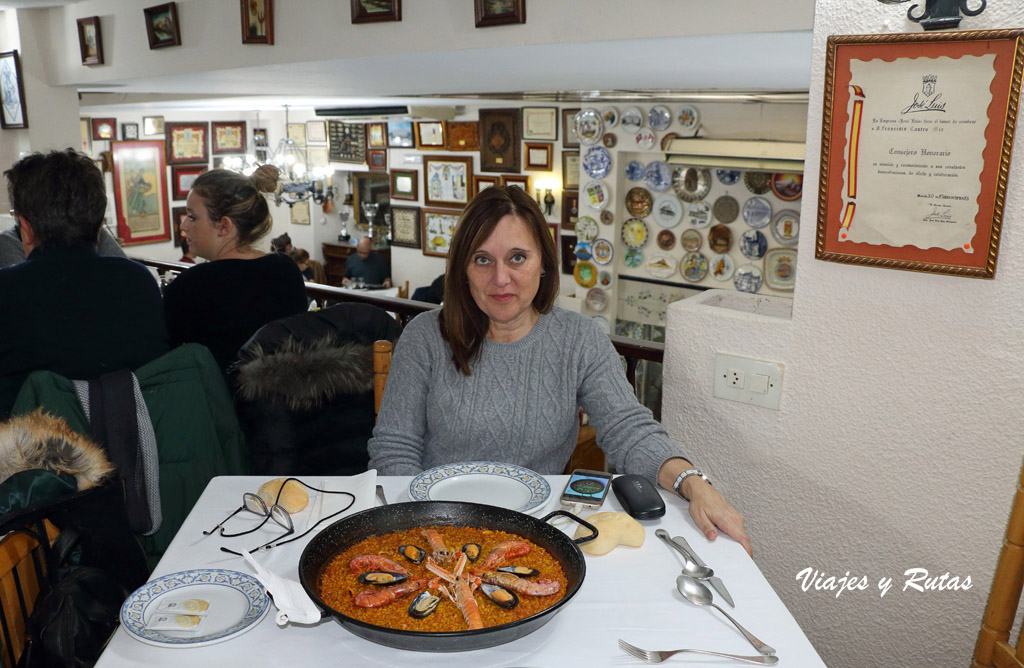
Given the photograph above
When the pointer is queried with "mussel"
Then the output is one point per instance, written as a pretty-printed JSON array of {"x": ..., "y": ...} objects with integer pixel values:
[
  {"x": 423, "y": 605},
  {"x": 413, "y": 553},
  {"x": 382, "y": 578},
  {"x": 472, "y": 551},
  {"x": 521, "y": 571},
  {"x": 500, "y": 596}
]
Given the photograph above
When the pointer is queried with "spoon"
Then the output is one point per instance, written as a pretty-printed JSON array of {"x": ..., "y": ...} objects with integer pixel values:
[
  {"x": 690, "y": 566},
  {"x": 695, "y": 592}
]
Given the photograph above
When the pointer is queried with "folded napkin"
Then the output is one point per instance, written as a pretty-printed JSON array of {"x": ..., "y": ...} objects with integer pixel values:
[{"x": 292, "y": 602}]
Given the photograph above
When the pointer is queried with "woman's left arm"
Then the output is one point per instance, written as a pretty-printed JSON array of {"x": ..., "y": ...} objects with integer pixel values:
[{"x": 708, "y": 507}]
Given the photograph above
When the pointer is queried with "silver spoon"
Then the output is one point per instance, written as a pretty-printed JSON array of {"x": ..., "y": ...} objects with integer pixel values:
[
  {"x": 690, "y": 567},
  {"x": 695, "y": 592}
]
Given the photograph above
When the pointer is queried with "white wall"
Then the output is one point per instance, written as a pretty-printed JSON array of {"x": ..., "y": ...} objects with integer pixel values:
[{"x": 897, "y": 445}]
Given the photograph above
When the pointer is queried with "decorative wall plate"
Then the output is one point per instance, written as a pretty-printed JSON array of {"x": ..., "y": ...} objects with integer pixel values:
[
  {"x": 691, "y": 183},
  {"x": 757, "y": 212},
  {"x": 786, "y": 227},
  {"x": 610, "y": 116},
  {"x": 780, "y": 269},
  {"x": 635, "y": 170},
  {"x": 660, "y": 266},
  {"x": 609, "y": 140},
  {"x": 726, "y": 209},
  {"x": 633, "y": 257},
  {"x": 753, "y": 244},
  {"x": 721, "y": 267},
  {"x": 787, "y": 187},
  {"x": 658, "y": 176},
  {"x": 589, "y": 126},
  {"x": 668, "y": 210},
  {"x": 659, "y": 117},
  {"x": 728, "y": 177},
  {"x": 607, "y": 217},
  {"x": 688, "y": 117},
  {"x": 603, "y": 251},
  {"x": 720, "y": 239},
  {"x": 758, "y": 182},
  {"x": 644, "y": 139},
  {"x": 639, "y": 202},
  {"x": 699, "y": 214},
  {"x": 691, "y": 240},
  {"x": 632, "y": 119},
  {"x": 694, "y": 267},
  {"x": 634, "y": 233},
  {"x": 585, "y": 274},
  {"x": 666, "y": 239},
  {"x": 582, "y": 251},
  {"x": 586, "y": 229},
  {"x": 597, "y": 299},
  {"x": 605, "y": 278},
  {"x": 595, "y": 195},
  {"x": 597, "y": 162},
  {"x": 747, "y": 278}
]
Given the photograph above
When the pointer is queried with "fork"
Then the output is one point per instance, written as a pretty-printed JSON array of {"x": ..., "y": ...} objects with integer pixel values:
[{"x": 653, "y": 656}]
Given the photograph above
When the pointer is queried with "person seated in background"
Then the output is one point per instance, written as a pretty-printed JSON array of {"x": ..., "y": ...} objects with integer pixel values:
[
  {"x": 281, "y": 244},
  {"x": 67, "y": 309},
  {"x": 187, "y": 256},
  {"x": 498, "y": 373},
  {"x": 12, "y": 252},
  {"x": 222, "y": 302},
  {"x": 301, "y": 258},
  {"x": 433, "y": 293},
  {"x": 367, "y": 265}
]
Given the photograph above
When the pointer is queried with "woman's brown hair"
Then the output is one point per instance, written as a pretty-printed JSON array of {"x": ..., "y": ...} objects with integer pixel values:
[
  {"x": 240, "y": 198},
  {"x": 463, "y": 325}
]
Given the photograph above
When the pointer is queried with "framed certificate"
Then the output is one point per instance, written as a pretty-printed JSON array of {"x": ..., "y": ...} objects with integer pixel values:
[
  {"x": 187, "y": 142},
  {"x": 405, "y": 226},
  {"x": 447, "y": 180}
]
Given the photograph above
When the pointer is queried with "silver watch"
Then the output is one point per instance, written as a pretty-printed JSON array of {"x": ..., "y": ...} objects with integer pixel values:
[{"x": 683, "y": 476}]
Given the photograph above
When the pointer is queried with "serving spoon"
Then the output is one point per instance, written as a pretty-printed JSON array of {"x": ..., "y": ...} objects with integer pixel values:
[
  {"x": 697, "y": 593},
  {"x": 690, "y": 566}
]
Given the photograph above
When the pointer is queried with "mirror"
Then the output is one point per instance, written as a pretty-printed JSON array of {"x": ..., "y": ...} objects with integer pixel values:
[{"x": 368, "y": 187}]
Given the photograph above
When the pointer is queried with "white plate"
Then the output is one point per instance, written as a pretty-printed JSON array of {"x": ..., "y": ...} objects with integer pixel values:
[
  {"x": 492, "y": 483},
  {"x": 237, "y": 603},
  {"x": 632, "y": 119}
]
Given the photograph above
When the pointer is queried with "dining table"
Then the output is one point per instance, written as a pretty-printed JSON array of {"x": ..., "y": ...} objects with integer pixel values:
[{"x": 628, "y": 593}]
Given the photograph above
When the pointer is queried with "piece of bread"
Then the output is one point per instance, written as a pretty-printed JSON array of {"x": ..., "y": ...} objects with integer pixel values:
[
  {"x": 293, "y": 499},
  {"x": 613, "y": 529}
]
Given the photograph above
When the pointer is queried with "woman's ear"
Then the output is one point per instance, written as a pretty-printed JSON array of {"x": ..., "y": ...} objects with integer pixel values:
[{"x": 224, "y": 226}]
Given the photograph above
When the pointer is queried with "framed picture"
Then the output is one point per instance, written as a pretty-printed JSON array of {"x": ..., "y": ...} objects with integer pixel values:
[
  {"x": 316, "y": 132},
  {"x": 85, "y": 130},
  {"x": 187, "y": 142},
  {"x": 482, "y": 182},
  {"x": 140, "y": 191},
  {"x": 499, "y": 140},
  {"x": 227, "y": 137},
  {"x": 438, "y": 229},
  {"x": 346, "y": 141},
  {"x": 162, "y": 26},
  {"x": 928, "y": 197},
  {"x": 567, "y": 244},
  {"x": 370, "y": 187},
  {"x": 405, "y": 184},
  {"x": 376, "y": 135},
  {"x": 178, "y": 215},
  {"x": 90, "y": 41},
  {"x": 446, "y": 180},
  {"x": 182, "y": 177},
  {"x": 12, "y": 92},
  {"x": 430, "y": 135},
  {"x": 569, "y": 138},
  {"x": 571, "y": 170},
  {"x": 257, "y": 21},
  {"x": 400, "y": 134},
  {"x": 374, "y": 11},
  {"x": 538, "y": 156},
  {"x": 259, "y": 137},
  {"x": 540, "y": 123},
  {"x": 104, "y": 128},
  {"x": 318, "y": 156},
  {"x": 516, "y": 180},
  {"x": 377, "y": 159},
  {"x": 129, "y": 131},
  {"x": 405, "y": 226},
  {"x": 499, "y": 12},
  {"x": 297, "y": 133},
  {"x": 570, "y": 208},
  {"x": 300, "y": 212},
  {"x": 152, "y": 126},
  {"x": 463, "y": 135}
]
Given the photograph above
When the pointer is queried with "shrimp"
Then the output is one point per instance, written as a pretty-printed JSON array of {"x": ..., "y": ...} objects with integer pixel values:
[
  {"x": 441, "y": 552},
  {"x": 374, "y": 598},
  {"x": 463, "y": 584},
  {"x": 503, "y": 551},
  {"x": 539, "y": 587},
  {"x": 375, "y": 562}
]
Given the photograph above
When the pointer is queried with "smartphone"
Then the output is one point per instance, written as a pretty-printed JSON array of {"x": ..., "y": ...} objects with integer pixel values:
[{"x": 587, "y": 488}]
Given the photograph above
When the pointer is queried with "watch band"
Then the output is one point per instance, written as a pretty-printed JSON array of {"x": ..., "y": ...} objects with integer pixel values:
[{"x": 683, "y": 476}]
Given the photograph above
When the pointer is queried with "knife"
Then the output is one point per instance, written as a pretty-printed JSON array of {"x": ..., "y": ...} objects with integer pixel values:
[{"x": 714, "y": 580}]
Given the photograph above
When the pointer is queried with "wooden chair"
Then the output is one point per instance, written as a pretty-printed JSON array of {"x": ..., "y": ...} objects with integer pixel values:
[
  {"x": 993, "y": 647},
  {"x": 403, "y": 292}
]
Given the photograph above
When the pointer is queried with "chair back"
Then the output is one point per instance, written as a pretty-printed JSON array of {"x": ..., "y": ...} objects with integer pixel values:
[
  {"x": 381, "y": 367},
  {"x": 403, "y": 291}
]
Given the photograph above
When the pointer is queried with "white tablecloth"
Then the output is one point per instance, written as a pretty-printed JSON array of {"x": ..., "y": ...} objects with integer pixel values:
[{"x": 629, "y": 593}]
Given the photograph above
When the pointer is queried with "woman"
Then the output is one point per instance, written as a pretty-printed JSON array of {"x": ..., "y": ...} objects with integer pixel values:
[
  {"x": 222, "y": 302},
  {"x": 498, "y": 372}
]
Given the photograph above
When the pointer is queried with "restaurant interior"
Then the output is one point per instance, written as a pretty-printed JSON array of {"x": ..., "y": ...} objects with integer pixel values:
[{"x": 894, "y": 443}]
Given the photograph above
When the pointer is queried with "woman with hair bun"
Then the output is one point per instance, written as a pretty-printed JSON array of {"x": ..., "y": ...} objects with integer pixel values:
[{"x": 222, "y": 302}]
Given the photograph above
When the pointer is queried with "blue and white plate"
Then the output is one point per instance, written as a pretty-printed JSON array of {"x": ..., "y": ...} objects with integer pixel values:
[
  {"x": 237, "y": 602},
  {"x": 658, "y": 176},
  {"x": 757, "y": 212},
  {"x": 597, "y": 162},
  {"x": 492, "y": 483},
  {"x": 753, "y": 244},
  {"x": 659, "y": 117},
  {"x": 728, "y": 177},
  {"x": 635, "y": 170},
  {"x": 748, "y": 278}
]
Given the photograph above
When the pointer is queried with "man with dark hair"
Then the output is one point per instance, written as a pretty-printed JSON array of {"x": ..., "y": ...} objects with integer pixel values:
[{"x": 66, "y": 308}]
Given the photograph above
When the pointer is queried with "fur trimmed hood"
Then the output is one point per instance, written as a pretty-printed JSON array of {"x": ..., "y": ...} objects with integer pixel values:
[
  {"x": 41, "y": 441},
  {"x": 305, "y": 374}
]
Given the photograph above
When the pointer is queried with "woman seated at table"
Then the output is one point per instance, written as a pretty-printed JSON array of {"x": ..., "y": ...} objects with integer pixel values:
[
  {"x": 498, "y": 372},
  {"x": 222, "y": 302}
]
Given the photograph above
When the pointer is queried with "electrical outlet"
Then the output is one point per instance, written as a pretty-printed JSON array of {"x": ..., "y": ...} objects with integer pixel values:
[
  {"x": 735, "y": 378},
  {"x": 748, "y": 380}
]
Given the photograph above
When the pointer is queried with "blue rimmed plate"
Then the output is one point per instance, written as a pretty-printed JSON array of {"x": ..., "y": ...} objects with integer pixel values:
[
  {"x": 237, "y": 602},
  {"x": 597, "y": 162},
  {"x": 635, "y": 170},
  {"x": 658, "y": 176},
  {"x": 492, "y": 483}
]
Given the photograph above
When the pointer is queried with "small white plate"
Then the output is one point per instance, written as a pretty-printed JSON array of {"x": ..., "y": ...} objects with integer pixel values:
[
  {"x": 644, "y": 139},
  {"x": 688, "y": 117},
  {"x": 492, "y": 483},
  {"x": 632, "y": 119}
]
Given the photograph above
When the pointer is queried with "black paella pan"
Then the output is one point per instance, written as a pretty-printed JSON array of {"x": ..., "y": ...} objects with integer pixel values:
[{"x": 346, "y": 532}]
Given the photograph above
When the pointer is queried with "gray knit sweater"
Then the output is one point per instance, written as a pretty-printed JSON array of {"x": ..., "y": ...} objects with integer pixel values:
[{"x": 519, "y": 406}]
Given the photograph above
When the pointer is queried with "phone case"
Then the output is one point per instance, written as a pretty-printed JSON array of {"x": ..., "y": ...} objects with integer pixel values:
[{"x": 639, "y": 496}]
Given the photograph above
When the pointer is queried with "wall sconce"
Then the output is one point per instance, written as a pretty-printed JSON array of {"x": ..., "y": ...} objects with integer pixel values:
[
  {"x": 547, "y": 201},
  {"x": 940, "y": 14}
]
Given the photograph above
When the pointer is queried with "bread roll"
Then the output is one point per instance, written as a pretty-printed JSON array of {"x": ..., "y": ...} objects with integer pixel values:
[
  {"x": 613, "y": 529},
  {"x": 293, "y": 499}
]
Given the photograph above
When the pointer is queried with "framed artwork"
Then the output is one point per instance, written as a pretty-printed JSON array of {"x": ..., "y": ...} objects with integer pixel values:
[
  {"x": 300, "y": 212},
  {"x": 376, "y": 135},
  {"x": 152, "y": 126},
  {"x": 140, "y": 191},
  {"x": 400, "y": 134},
  {"x": 571, "y": 170},
  {"x": 187, "y": 142},
  {"x": 482, "y": 182},
  {"x": 463, "y": 135},
  {"x": 297, "y": 133},
  {"x": 316, "y": 132},
  {"x": 178, "y": 215},
  {"x": 405, "y": 226},
  {"x": 162, "y": 26},
  {"x": 129, "y": 131},
  {"x": 12, "y": 92},
  {"x": 227, "y": 137},
  {"x": 567, "y": 244},
  {"x": 430, "y": 135},
  {"x": 446, "y": 180},
  {"x": 377, "y": 159},
  {"x": 259, "y": 137},
  {"x": 499, "y": 140},
  {"x": 405, "y": 184},
  {"x": 90, "y": 41},
  {"x": 370, "y": 187},
  {"x": 104, "y": 128},
  {"x": 375, "y": 11},
  {"x": 516, "y": 180},
  {"x": 570, "y": 208},
  {"x": 538, "y": 156},
  {"x": 318, "y": 156},
  {"x": 438, "y": 229},
  {"x": 346, "y": 142},
  {"x": 257, "y": 21},
  {"x": 85, "y": 130},
  {"x": 499, "y": 12},
  {"x": 917, "y": 133},
  {"x": 182, "y": 177},
  {"x": 540, "y": 123},
  {"x": 569, "y": 138}
]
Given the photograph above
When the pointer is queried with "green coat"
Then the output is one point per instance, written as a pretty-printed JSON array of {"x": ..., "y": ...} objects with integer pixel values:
[{"x": 197, "y": 433}]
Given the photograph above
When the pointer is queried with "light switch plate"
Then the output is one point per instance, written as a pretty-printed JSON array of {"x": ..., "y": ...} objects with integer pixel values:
[{"x": 734, "y": 374}]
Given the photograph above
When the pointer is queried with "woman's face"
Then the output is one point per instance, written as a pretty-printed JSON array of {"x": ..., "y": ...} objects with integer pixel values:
[
  {"x": 504, "y": 273},
  {"x": 199, "y": 229}
]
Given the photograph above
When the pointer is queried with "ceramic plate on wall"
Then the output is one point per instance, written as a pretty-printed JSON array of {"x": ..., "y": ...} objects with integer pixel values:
[
  {"x": 582, "y": 251},
  {"x": 747, "y": 278},
  {"x": 758, "y": 182},
  {"x": 644, "y": 139},
  {"x": 609, "y": 140},
  {"x": 666, "y": 240},
  {"x": 586, "y": 229},
  {"x": 699, "y": 214},
  {"x": 596, "y": 195},
  {"x": 691, "y": 183},
  {"x": 607, "y": 218},
  {"x": 721, "y": 267},
  {"x": 660, "y": 265},
  {"x": 634, "y": 233},
  {"x": 659, "y": 117},
  {"x": 726, "y": 209},
  {"x": 667, "y": 210},
  {"x": 694, "y": 267},
  {"x": 597, "y": 162},
  {"x": 605, "y": 278},
  {"x": 610, "y": 116},
  {"x": 786, "y": 227},
  {"x": 720, "y": 239},
  {"x": 757, "y": 212},
  {"x": 635, "y": 170},
  {"x": 639, "y": 202},
  {"x": 603, "y": 251},
  {"x": 728, "y": 177},
  {"x": 658, "y": 176},
  {"x": 632, "y": 119},
  {"x": 597, "y": 299},
  {"x": 688, "y": 117},
  {"x": 780, "y": 269},
  {"x": 585, "y": 274},
  {"x": 753, "y": 244},
  {"x": 589, "y": 126},
  {"x": 633, "y": 257},
  {"x": 787, "y": 187},
  {"x": 691, "y": 240}
]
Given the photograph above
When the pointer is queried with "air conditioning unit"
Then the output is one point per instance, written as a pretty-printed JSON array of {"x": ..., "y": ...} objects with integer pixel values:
[
  {"x": 392, "y": 111},
  {"x": 775, "y": 156}
]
